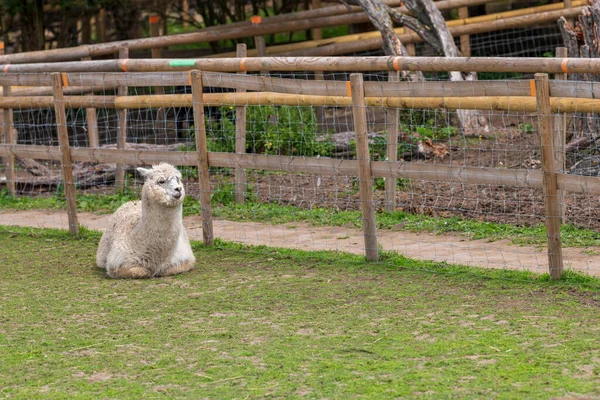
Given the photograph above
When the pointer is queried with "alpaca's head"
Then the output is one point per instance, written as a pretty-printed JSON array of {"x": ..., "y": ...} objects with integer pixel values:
[{"x": 163, "y": 185}]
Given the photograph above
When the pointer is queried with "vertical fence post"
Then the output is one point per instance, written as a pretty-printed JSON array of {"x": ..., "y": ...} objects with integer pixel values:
[
  {"x": 552, "y": 207},
  {"x": 465, "y": 40},
  {"x": 261, "y": 50},
  {"x": 317, "y": 34},
  {"x": 154, "y": 22},
  {"x": 240, "y": 137},
  {"x": 359, "y": 112},
  {"x": 91, "y": 122},
  {"x": 185, "y": 15},
  {"x": 9, "y": 138},
  {"x": 391, "y": 117},
  {"x": 202, "y": 149},
  {"x": 65, "y": 150},
  {"x": 121, "y": 128},
  {"x": 560, "y": 134}
]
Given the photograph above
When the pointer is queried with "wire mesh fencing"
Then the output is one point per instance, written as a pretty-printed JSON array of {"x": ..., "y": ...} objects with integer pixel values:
[{"x": 451, "y": 171}]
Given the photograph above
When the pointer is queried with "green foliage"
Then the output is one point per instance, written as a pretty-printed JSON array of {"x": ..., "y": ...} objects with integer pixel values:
[
  {"x": 281, "y": 130},
  {"x": 224, "y": 193},
  {"x": 526, "y": 128}
]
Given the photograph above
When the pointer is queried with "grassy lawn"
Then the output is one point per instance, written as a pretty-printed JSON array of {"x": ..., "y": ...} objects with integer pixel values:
[{"x": 261, "y": 322}]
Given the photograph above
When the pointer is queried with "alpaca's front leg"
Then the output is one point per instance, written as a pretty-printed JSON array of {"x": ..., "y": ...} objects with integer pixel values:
[
  {"x": 180, "y": 268},
  {"x": 129, "y": 271}
]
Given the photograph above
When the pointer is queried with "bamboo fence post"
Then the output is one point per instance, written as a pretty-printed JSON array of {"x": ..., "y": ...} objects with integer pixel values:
[
  {"x": 3, "y": 135},
  {"x": 465, "y": 40},
  {"x": 154, "y": 22},
  {"x": 560, "y": 134},
  {"x": 317, "y": 34},
  {"x": 240, "y": 137},
  {"x": 261, "y": 49},
  {"x": 121, "y": 128},
  {"x": 392, "y": 130},
  {"x": 92, "y": 122},
  {"x": 202, "y": 149},
  {"x": 65, "y": 150},
  {"x": 9, "y": 138},
  {"x": 552, "y": 206},
  {"x": 359, "y": 113}
]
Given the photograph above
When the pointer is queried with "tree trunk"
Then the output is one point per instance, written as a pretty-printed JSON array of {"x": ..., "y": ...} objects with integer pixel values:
[
  {"x": 429, "y": 24},
  {"x": 32, "y": 25},
  {"x": 471, "y": 121},
  {"x": 583, "y": 41}
]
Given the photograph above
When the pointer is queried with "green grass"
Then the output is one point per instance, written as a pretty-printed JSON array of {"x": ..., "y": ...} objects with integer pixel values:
[
  {"x": 571, "y": 235},
  {"x": 261, "y": 322}
]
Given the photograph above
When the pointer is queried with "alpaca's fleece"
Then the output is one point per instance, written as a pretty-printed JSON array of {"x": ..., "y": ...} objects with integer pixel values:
[{"x": 146, "y": 238}]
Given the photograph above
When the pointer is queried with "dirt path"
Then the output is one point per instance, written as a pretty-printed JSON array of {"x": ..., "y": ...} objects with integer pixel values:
[{"x": 424, "y": 246}]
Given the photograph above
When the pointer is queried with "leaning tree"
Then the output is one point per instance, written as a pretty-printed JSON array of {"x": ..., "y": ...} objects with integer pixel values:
[{"x": 427, "y": 21}]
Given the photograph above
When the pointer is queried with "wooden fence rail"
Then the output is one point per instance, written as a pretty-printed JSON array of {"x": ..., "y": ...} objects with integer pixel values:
[{"x": 332, "y": 64}]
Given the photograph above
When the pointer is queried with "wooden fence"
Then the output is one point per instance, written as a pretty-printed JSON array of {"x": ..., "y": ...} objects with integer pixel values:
[
  {"x": 338, "y": 15},
  {"x": 539, "y": 95}
]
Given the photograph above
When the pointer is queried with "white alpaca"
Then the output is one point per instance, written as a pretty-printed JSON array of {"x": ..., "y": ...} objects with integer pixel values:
[{"x": 146, "y": 238}]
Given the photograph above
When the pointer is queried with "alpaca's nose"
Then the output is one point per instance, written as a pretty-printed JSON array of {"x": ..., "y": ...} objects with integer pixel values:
[{"x": 177, "y": 192}]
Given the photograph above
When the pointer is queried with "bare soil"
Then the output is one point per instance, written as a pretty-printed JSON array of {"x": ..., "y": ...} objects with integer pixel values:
[{"x": 423, "y": 246}]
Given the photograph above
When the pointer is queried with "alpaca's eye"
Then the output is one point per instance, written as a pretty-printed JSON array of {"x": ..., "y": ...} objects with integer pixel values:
[{"x": 162, "y": 181}]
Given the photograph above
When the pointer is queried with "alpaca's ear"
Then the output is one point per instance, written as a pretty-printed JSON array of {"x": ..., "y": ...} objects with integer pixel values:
[{"x": 145, "y": 172}]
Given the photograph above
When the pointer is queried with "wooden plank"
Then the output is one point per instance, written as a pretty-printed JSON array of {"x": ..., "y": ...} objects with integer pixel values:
[
  {"x": 202, "y": 150},
  {"x": 552, "y": 206},
  {"x": 65, "y": 150},
  {"x": 392, "y": 116},
  {"x": 459, "y": 174},
  {"x": 311, "y": 165},
  {"x": 559, "y": 129},
  {"x": 465, "y": 40},
  {"x": 121, "y": 128},
  {"x": 363, "y": 159},
  {"x": 240, "y": 138},
  {"x": 11, "y": 139}
]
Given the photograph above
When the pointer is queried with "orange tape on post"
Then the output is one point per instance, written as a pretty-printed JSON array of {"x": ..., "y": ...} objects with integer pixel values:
[
  {"x": 242, "y": 66},
  {"x": 395, "y": 63},
  {"x": 256, "y": 19},
  {"x": 190, "y": 78},
  {"x": 154, "y": 19},
  {"x": 5, "y": 69},
  {"x": 563, "y": 65},
  {"x": 532, "y": 87},
  {"x": 65, "y": 80},
  {"x": 124, "y": 64},
  {"x": 348, "y": 89},
  {"x": 1, "y": 45}
]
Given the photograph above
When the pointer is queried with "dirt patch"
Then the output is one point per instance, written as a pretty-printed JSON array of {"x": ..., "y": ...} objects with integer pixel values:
[{"x": 421, "y": 246}]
